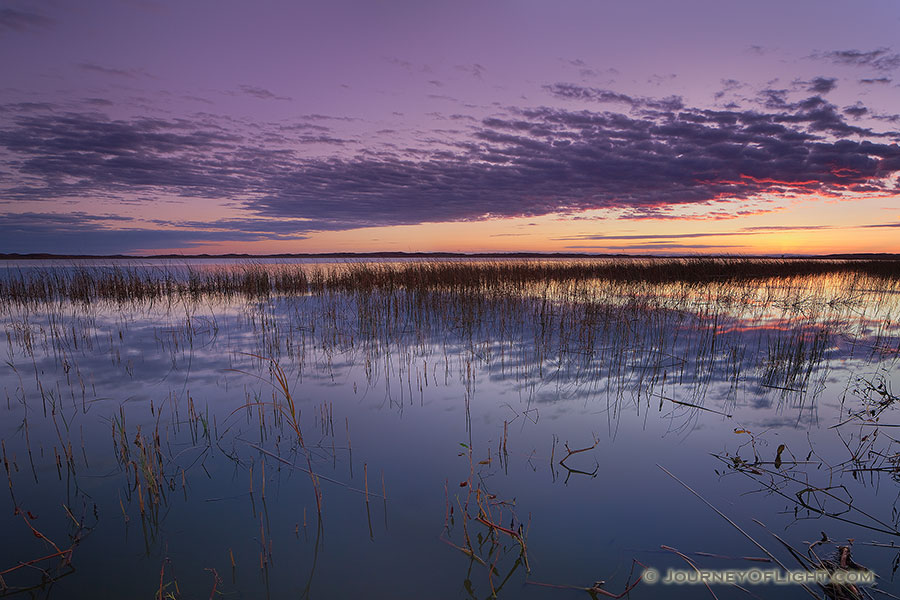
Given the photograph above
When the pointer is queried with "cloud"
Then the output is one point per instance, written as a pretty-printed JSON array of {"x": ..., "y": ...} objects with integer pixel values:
[
  {"x": 743, "y": 231},
  {"x": 880, "y": 59},
  {"x": 524, "y": 162},
  {"x": 822, "y": 85},
  {"x": 764, "y": 228},
  {"x": 256, "y": 228},
  {"x": 857, "y": 110},
  {"x": 586, "y": 70},
  {"x": 548, "y": 160},
  {"x": 55, "y": 221},
  {"x": 24, "y": 107},
  {"x": 99, "y": 102},
  {"x": 821, "y": 115},
  {"x": 19, "y": 21},
  {"x": 112, "y": 71},
  {"x": 81, "y": 233},
  {"x": 474, "y": 69},
  {"x": 76, "y": 154},
  {"x": 774, "y": 99},
  {"x": 875, "y": 80},
  {"x": 408, "y": 66},
  {"x": 652, "y": 246},
  {"x": 261, "y": 93},
  {"x": 318, "y": 117},
  {"x": 670, "y": 213},
  {"x": 891, "y": 225},
  {"x": 729, "y": 86},
  {"x": 659, "y": 236},
  {"x": 571, "y": 91}
]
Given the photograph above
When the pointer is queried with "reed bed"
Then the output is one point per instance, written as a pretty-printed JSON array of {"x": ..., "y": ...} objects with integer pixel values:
[{"x": 141, "y": 284}]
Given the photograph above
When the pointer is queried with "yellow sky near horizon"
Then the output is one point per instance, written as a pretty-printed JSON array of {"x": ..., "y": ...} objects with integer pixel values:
[{"x": 803, "y": 226}]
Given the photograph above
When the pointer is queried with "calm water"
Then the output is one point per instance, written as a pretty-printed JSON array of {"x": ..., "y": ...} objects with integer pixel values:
[{"x": 157, "y": 434}]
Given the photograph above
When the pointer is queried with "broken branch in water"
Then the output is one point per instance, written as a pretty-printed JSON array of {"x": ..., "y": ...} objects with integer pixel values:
[{"x": 571, "y": 452}]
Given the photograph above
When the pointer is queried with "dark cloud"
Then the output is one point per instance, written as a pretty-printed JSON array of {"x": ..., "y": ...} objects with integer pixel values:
[
  {"x": 526, "y": 162},
  {"x": 880, "y": 59},
  {"x": 822, "y": 85},
  {"x": 18, "y": 20},
  {"x": 857, "y": 110},
  {"x": 80, "y": 233},
  {"x": 75, "y": 154},
  {"x": 882, "y": 225},
  {"x": 572, "y": 91},
  {"x": 549, "y": 160},
  {"x": 875, "y": 80},
  {"x": 728, "y": 86},
  {"x": 889, "y": 118},
  {"x": 774, "y": 99},
  {"x": 668, "y": 213},
  {"x": 821, "y": 115}
]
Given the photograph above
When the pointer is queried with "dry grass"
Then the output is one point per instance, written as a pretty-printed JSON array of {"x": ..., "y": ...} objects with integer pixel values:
[{"x": 136, "y": 284}]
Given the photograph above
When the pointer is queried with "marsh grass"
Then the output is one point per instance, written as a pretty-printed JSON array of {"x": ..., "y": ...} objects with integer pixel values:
[
  {"x": 133, "y": 284},
  {"x": 837, "y": 566},
  {"x": 55, "y": 562},
  {"x": 672, "y": 317},
  {"x": 482, "y": 509},
  {"x": 817, "y": 488}
]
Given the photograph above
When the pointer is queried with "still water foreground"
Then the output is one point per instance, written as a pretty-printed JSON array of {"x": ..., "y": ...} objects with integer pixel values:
[{"x": 450, "y": 430}]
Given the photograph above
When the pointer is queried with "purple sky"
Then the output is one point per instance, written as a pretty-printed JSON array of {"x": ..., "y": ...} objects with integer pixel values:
[{"x": 143, "y": 126}]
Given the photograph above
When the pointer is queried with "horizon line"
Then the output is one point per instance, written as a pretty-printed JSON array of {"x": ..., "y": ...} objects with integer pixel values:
[{"x": 398, "y": 254}]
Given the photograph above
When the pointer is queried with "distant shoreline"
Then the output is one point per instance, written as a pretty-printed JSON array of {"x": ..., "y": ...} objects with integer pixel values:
[{"x": 535, "y": 255}]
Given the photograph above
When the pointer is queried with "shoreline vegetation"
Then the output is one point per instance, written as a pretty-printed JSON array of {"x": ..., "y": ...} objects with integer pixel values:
[{"x": 85, "y": 283}]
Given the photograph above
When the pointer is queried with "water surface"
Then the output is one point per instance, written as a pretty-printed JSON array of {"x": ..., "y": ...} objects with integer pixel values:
[{"x": 157, "y": 435}]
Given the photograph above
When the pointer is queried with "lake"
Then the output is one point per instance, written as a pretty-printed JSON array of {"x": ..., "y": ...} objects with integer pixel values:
[{"x": 446, "y": 429}]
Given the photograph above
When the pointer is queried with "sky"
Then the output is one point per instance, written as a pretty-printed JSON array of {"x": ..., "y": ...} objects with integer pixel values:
[{"x": 646, "y": 127}]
